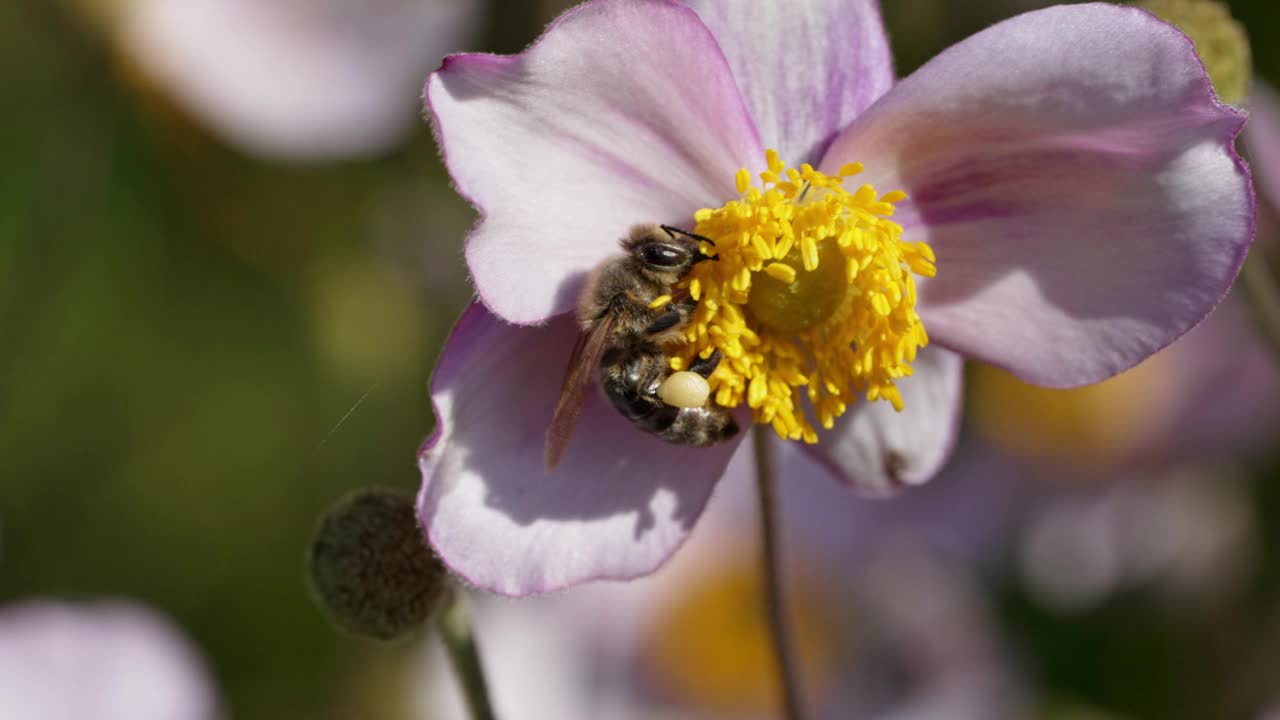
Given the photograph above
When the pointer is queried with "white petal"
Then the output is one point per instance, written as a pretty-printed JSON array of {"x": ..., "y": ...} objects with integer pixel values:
[{"x": 878, "y": 450}]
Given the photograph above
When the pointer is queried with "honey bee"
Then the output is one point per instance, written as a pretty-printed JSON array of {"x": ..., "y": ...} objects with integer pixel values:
[{"x": 623, "y": 334}]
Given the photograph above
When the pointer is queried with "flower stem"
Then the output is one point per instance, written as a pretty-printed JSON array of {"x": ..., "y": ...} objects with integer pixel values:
[
  {"x": 1260, "y": 289},
  {"x": 772, "y": 586},
  {"x": 455, "y": 631}
]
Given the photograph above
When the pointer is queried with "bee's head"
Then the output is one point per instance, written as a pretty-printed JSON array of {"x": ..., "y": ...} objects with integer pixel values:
[{"x": 664, "y": 253}]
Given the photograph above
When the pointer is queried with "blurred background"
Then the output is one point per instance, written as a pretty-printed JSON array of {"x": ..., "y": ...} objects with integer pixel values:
[{"x": 229, "y": 255}]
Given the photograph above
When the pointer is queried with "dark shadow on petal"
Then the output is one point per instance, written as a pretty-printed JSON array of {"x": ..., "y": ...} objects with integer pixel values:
[{"x": 496, "y": 386}]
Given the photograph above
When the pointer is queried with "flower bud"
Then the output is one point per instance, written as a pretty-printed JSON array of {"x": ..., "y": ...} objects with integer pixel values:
[
  {"x": 1221, "y": 42},
  {"x": 370, "y": 568}
]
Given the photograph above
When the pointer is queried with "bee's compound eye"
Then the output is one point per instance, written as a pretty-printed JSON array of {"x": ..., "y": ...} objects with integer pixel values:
[
  {"x": 662, "y": 256},
  {"x": 684, "y": 389}
]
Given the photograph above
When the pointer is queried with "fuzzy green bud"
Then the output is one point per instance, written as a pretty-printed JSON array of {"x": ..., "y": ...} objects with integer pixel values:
[
  {"x": 1220, "y": 40},
  {"x": 370, "y": 568}
]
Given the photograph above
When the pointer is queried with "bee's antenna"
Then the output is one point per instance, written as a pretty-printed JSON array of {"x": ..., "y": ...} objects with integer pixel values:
[{"x": 674, "y": 230}]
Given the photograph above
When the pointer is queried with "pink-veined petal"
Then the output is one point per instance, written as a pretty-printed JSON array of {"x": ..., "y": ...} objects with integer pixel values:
[
  {"x": 1074, "y": 172},
  {"x": 878, "y": 450},
  {"x": 620, "y": 502},
  {"x": 806, "y": 68},
  {"x": 623, "y": 112}
]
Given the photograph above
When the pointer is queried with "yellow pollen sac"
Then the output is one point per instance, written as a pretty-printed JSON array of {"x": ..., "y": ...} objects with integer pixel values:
[
  {"x": 659, "y": 301},
  {"x": 814, "y": 288}
]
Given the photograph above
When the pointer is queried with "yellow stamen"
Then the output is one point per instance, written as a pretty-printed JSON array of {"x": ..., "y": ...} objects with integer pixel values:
[
  {"x": 779, "y": 271},
  {"x": 660, "y": 301},
  {"x": 813, "y": 287}
]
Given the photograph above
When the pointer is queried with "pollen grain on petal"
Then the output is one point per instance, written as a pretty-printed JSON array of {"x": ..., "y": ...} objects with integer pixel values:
[{"x": 812, "y": 300}]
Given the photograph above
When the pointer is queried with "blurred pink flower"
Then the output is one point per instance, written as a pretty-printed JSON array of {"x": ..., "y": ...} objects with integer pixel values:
[
  {"x": 1189, "y": 534},
  {"x": 1133, "y": 484},
  {"x": 296, "y": 79},
  {"x": 107, "y": 661},
  {"x": 889, "y": 626},
  {"x": 1210, "y": 395},
  {"x": 1071, "y": 167},
  {"x": 1262, "y": 138}
]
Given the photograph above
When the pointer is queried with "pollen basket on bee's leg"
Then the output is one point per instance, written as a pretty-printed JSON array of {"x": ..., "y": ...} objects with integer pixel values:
[{"x": 813, "y": 295}]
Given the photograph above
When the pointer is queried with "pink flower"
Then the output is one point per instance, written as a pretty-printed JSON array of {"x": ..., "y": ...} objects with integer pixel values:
[
  {"x": 295, "y": 79},
  {"x": 107, "y": 661},
  {"x": 1262, "y": 135},
  {"x": 689, "y": 641},
  {"x": 1070, "y": 167},
  {"x": 1210, "y": 395}
]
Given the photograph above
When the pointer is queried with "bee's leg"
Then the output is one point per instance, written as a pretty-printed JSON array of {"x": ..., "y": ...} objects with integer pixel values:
[
  {"x": 632, "y": 386},
  {"x": 706, "y": 366},
  {"x": 677, "y": 312},
  {"x": 670, "y": 318}
]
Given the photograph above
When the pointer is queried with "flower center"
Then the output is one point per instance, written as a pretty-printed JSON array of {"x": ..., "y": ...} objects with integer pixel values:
[
  {"x": 813, "y": 287},
  {"x": 789, "y": 299}
]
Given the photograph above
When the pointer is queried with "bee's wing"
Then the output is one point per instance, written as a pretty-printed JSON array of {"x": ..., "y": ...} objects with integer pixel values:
[{"x": 583, "y": 363}]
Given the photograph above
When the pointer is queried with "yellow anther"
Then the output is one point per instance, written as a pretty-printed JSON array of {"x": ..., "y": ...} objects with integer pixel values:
[
  {"x": 783, "y": 245},
  {"x": 763, "y": 248},
  {"x": 660, "y": 301},
  {"x": 809, "y": 251},
  {"x": 813, "y": 296},
  {"x": 784, "y": 273},
  {"x": 775, "y": 163}
]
